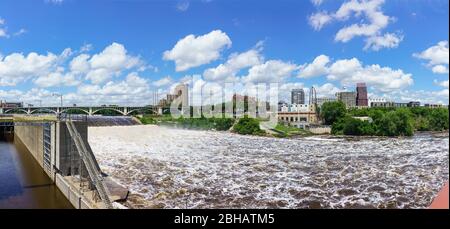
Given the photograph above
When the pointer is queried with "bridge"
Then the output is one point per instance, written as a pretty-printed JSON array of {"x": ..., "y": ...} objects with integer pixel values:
[{"x": 123, "y": 110}]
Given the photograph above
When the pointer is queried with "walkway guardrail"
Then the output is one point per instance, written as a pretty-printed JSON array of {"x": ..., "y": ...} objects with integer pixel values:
[{"x": 90, "y": 163}]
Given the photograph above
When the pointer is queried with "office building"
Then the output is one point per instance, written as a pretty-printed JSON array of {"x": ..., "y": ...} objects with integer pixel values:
[
  {"x": 348, "y": 98},
  {"x": 298, "y": 96},
  {"x": 321, "y": 101},
  {"x": 361, "y": 95}
]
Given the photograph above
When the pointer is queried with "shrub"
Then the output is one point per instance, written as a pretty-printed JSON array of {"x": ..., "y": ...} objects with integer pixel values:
[
  {"x": 438, "y": 119},
  {"x": 247, "y": 126},
  {"x": 396, "y": 123}
]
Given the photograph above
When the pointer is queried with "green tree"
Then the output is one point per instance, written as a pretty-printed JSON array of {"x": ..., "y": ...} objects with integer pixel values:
[
  {"x": 353, "y": 126},
  {"x": 247, "y": 126},
  {"x": 438, "y": 119},
  {"x": 396, "y": 123},
  {"x": 332, "y": 111}
]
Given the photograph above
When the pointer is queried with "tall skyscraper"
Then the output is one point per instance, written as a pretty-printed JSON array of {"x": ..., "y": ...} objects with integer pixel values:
[
  {"x": 298, "y": 96},
  {"x": 361, "y": 95}
]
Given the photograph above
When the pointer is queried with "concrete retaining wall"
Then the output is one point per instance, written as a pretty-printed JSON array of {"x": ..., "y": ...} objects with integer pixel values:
[
  {"x": 72, "y": 193},
  {"x": 320, "y": 130},
  {"x": 32, "y": 138}
]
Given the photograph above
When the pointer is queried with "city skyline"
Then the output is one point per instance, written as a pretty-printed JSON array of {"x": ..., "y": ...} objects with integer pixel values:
[{"x": 82, "y": 52}]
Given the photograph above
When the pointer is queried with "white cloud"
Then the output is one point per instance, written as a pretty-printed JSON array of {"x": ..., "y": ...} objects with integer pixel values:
[
  {"x": 134, "y": 90},
  {"x": 269, "y": 72},
  {"x": 437, "y": 57},
  {"x": 317, "y": 2},
  {"x": 320, "y": 19},
  {"x": 388, "y": 40},
  {"x": 235, "y": 63},
  {"x": 55, "y": 2},
  {"x": 351, "y": 71},
  {"x": 326, "y": 90},
  {"x": 192, "y": 51},
  {"x": 442, "y": 83},
  {"x": 440, "y": 69},
  {"x": 3, "y": 32},
  {"x": 316, "y": 68},
  {"x": 433, "y": 97},
  {"x": 57, "y": 78},
  {"x": 183, "y": 5},
  {"x": 80, "y": 64},
  {"x": 20, "y": 32},
  {"x": 163, "y": 82},
  {"x": 372, "y": 22},
  {"x": 101, "y": 67},
  {"x": 86, "y": 48},
  {"x": 16, "y": 68}
]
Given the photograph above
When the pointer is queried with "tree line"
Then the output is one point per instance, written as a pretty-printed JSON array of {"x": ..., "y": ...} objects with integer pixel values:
[{"x": 383, "y": 121}]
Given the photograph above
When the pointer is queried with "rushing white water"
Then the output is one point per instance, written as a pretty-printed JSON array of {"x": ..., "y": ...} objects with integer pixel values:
[{"x": 173, "y": 168}]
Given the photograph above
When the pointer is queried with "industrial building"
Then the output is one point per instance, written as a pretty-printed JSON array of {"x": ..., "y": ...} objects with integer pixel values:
[{"x": 4, "y": 104}]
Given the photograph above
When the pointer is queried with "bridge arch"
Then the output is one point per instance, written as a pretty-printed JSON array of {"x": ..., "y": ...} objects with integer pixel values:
[
  {"x": 75, "y": 108},
  {"x": 151, "y": 109},
  {"x": 108, "y": 108},
  {"x": 11, "y": 111},
  {"x": 43, "y": 109}
]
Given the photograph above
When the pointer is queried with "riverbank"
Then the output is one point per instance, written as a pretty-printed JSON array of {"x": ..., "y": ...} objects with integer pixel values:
[{"x": 176, "y": 168}]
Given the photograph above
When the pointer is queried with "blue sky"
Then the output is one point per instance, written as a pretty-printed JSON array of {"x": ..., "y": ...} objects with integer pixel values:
[{"x": 97, "y": 52}]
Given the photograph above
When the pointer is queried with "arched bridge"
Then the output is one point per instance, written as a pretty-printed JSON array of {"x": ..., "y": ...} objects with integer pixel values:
[{"x": 125, "y": 110}]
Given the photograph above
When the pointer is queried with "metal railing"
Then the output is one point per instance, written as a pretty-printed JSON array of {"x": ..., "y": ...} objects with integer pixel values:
[{"x": 90, "y": 163}]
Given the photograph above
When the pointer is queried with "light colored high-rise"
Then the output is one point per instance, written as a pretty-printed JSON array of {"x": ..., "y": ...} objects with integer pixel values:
[
  {"x": 347, "y": 97},
  {"x": 182, "y": 91}
]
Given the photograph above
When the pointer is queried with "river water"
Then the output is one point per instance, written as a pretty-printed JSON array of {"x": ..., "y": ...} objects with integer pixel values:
[
  {"x": 23, "y": 183},
  {"x": 173, "y": 168}
]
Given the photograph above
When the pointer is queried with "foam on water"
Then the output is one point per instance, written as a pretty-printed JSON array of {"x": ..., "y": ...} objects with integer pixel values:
[{"x": 173, "y": 168}]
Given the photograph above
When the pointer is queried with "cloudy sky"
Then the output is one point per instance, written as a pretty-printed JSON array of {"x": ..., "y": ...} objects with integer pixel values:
[{"x": 120, "y": 52}]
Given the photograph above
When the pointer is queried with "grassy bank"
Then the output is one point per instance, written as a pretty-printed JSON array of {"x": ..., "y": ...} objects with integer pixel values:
[
  {"x": 220, "y": 124},
  {"x": 291, "y": 131}
]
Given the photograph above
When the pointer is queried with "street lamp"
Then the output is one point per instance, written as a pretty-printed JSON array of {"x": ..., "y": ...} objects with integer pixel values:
[{"x": 59, "y": 95}]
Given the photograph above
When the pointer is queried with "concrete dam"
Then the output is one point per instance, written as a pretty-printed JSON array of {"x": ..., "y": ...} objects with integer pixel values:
[{"x": 60, "y": 147}]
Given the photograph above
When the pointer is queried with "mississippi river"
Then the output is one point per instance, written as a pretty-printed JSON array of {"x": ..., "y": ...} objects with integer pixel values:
[{"x": 174, "y": 168}]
